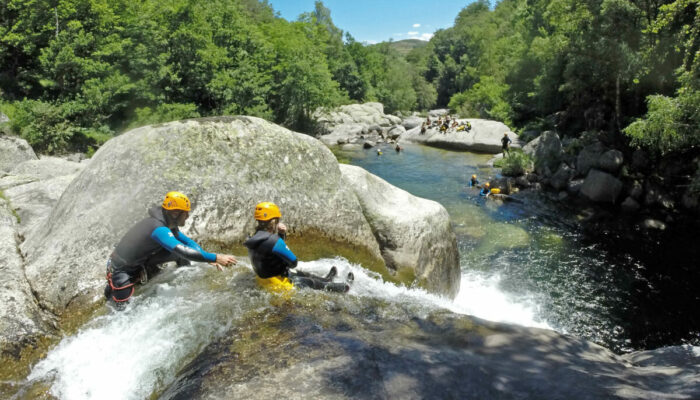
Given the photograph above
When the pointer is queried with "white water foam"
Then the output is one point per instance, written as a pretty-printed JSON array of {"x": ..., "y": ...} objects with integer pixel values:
[
  {"x": 126, "y": 355},
  {"x": 479, "y": 294}
]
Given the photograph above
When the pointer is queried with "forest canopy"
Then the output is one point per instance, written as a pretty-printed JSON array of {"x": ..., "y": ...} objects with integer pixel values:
[{"x": 74, "y": 73}]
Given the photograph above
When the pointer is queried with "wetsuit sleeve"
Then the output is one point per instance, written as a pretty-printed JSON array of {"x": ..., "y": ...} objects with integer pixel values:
[
  {"x": 282, "y": 250},
  {"x": 165, "y": 238},
  {"x": 187, "y": 241}
]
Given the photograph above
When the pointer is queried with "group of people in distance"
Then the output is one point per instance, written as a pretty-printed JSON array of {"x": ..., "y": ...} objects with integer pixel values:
[
  {"x": 157, "y": 239},
  {"x": 445, "y": 125}
]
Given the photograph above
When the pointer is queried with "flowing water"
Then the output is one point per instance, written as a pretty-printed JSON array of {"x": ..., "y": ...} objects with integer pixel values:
[{"x": 522, "y": 262}]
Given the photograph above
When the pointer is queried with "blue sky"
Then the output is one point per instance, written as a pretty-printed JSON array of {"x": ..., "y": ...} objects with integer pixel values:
[{"x": 375, "y": 21}]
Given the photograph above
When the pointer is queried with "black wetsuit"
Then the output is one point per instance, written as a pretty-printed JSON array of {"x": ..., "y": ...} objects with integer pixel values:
[
  {"x": 505, "y": 141},
  {"x": 271, "y": 256},
  {"x": 146, "y": 245}
]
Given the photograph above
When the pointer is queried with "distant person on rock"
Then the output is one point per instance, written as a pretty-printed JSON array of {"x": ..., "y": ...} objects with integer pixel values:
[
  {"x": 153, "y": 241},
  {"x": 505, "y": 144},
  {"x": 271, "y": 256},
  {"x": 423, "y": 128}
]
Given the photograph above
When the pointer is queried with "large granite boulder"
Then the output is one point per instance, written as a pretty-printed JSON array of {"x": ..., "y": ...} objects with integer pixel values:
[
  {"x": 601, "y": 187},
  {"x": 611, "y": 161},
  {"x": 226, "y": 166},
  {"x": 14, "y": 150},
  {"x": 547, "y": 151},
  {"x": 352, "y": 120},
  {"x": 589, "y": 157},
  {"x": 412, "y": 121},
  {"x": 22, "y": 322},
  {"x": 484, "y": 137},
  {"x": 415, "y": 234}
]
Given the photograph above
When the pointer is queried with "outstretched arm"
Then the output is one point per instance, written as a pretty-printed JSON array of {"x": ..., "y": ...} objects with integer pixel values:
[{"x": 182, "y": 248}]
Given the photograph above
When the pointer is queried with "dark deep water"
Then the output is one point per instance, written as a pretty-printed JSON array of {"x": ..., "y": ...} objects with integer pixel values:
[{"x": 623, "y": 289}]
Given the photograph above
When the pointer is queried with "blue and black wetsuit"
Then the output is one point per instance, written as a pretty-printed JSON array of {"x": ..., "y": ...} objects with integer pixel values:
[
  {"x": 473, "y": 182},
  {"x": 485, "y": 191},
  {"x": 146, "y": 245},
  {"x": 271, "y": 256}
]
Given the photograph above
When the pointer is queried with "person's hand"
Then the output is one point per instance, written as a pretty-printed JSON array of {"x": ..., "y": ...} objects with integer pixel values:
[
  {"x": 281, "y": 228},
  {"x": 223, "y": 260}
]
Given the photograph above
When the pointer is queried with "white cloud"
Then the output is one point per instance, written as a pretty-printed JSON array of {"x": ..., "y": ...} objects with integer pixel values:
[
  {"x": 370, "y": 42},
  {"x": 416, "y": 25},
  {"x": 426, "y": 36},
  {"x": 413, "y": 33}
]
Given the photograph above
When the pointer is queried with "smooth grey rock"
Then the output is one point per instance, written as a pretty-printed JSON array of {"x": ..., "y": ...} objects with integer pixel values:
[
  {"x": 412, "y": 122},
  {"x": 14, "y": 150},
  {"x": 560, "y": 179},
  {"x": 630, "y": 205},
  {"x": 601, "y": 187},
  {"x": 439, "y": 112},
  {"x": 546, "y": 150},
  {"x": 47, "y": 168},
  {"x": 22, "y": 322},
  {"x": 484, "y": 137},
  {"x": 440, "y": 356},
  {"x": 611, "y": 161},
  {"x": 589, "y": 158},
  {"x": 413, "y": 233},
  {"x": 368, "y": 145},
  {"x": 396, "y": 132},
  {"x": 34, "y": 201}
]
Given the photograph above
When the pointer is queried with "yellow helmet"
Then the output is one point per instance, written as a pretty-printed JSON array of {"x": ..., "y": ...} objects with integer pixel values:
[
  {"x": 176, "y": 201},
  {"x": 474, "y": 176},
  {"x": 266, "y": 211},
  {"x": 487, "y": 184}
]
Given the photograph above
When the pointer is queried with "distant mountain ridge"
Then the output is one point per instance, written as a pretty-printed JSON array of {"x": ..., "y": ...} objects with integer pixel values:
[{"x": 405, "y": 46}]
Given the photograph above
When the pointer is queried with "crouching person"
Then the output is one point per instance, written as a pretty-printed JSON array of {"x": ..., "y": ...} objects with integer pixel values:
[{"x": 153, "y": 241}]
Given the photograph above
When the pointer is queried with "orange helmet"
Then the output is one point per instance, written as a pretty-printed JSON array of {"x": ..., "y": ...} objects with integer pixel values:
[
  {"x": 487, "y": 184},
  {"x": 266, "y": 211},
  {"x": 176, "y": 201}
]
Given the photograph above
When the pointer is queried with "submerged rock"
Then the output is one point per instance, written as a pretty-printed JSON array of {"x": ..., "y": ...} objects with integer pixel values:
[{"x": 301, "y": 352}]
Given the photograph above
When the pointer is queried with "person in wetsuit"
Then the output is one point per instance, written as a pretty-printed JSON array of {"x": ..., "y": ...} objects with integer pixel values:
[
  {"x": 505, "y": 144},
  {"x": 271, "y": 256},
  {"x": 486, "y": 190},
  {"x": 473, "y": 182},
  {"x": 151, "y": 242}
]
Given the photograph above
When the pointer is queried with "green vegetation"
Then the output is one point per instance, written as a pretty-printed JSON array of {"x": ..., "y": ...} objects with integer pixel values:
[
  {"x": 515, "y": 164},
  {"x": 75, "y": 72}
]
